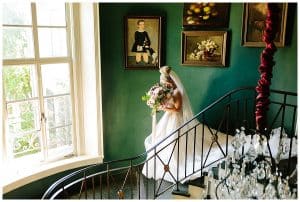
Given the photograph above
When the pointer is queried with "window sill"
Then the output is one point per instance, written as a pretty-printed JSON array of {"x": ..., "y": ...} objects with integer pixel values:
[{"x": 14, "y": 178}]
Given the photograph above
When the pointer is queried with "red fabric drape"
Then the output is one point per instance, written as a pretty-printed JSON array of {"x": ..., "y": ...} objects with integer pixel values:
[{"x": 266, "y": 66}]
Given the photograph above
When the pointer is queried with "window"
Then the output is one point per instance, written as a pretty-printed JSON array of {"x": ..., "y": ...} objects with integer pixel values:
[
  {"x": 52, "y": 111},
  {"x": 37, "y": 81}
]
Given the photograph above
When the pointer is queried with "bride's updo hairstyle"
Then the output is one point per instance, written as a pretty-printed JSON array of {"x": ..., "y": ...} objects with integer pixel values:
[
  {"x": 165, "y": 70},
  {"x": 165, "y": 75}
]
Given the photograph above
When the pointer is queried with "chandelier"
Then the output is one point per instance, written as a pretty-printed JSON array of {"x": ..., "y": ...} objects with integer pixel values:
[{"x": 251, "y": 175}]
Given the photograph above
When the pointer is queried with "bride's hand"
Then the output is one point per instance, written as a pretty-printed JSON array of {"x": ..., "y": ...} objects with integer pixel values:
[
  {"x": 161, "y": 107},
  {"x": 168, "y": 108}
]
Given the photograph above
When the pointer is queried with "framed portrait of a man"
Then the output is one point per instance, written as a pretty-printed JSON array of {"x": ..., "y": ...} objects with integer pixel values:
[{"x": 142, "y": 42}]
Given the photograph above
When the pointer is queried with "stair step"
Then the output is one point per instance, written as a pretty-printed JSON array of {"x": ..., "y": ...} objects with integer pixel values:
[
  {"x": 195, "y": 193},
  {"x": 198, "y": 182},
  {"x": 183, "y": 190},
  {"x": 198, "y": 192}
]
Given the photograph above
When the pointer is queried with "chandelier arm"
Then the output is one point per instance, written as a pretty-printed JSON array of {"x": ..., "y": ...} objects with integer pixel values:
[{"x": 223, "y": 181}]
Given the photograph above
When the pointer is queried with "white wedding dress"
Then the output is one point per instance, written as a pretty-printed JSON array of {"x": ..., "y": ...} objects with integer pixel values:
[{"x": 164, "y": 164}]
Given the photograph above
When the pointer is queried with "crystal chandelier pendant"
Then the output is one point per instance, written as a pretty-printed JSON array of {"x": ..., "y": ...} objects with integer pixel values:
[{"x": 249, "y": 175}]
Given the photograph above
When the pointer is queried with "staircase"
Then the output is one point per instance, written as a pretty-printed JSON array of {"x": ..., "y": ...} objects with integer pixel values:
[{"x": 123, "y": 179}]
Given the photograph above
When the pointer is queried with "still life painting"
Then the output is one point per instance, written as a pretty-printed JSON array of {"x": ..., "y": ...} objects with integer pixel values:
[
  {"x": 206, "y": 14},
  {"x": 204, "y": 48}
]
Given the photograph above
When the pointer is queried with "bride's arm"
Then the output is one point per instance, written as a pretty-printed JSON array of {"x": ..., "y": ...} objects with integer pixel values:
[{"x": 176, "y": 107}]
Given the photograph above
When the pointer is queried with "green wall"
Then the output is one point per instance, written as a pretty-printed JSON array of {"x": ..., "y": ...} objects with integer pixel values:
[{"x": 126, "y": 118}]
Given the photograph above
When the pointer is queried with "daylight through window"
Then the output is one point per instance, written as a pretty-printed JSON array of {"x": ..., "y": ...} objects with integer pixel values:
[{"x": 37, "y": 77}]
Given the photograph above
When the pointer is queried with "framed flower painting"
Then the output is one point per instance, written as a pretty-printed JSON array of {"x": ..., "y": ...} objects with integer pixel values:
[{"x": 204, "y": 48}]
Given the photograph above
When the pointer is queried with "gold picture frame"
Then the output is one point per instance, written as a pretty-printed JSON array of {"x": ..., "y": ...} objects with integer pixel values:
[
  {"x": 254, "y": 17},
  {"x": 142, "y": 42},
  {"x": 200, "y": 15},
  {"x": 204, "y": 48}
]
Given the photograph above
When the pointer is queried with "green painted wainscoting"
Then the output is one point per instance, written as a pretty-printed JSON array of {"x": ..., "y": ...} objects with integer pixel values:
[{"x": 127, "y": 119}]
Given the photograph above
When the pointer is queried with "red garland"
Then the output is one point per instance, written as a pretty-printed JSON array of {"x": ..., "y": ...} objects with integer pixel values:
[{"x": 265, "y": 68}]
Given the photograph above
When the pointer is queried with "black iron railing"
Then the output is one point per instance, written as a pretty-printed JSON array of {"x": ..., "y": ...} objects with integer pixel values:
[{"x": 124, "y": 178}]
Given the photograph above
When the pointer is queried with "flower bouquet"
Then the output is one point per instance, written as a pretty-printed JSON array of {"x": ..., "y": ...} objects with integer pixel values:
[{"x": 156, "y": 96}]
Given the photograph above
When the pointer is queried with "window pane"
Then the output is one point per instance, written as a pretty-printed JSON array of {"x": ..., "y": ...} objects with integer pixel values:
[
  {"x": 25, "y": 145},
  {"x": 51, "y": 14},
  {"x": 23, "y": 117},
  {"x": 59, "y": 141},
  {"x": 16, "y": 13},
  {"x": 52, "y": 42},
  {"x": 58, "y": 111},
  {"x": 17, "y": 43},
  {"x": 19, "y": 82},
  {"x": 56, "y": 79}
]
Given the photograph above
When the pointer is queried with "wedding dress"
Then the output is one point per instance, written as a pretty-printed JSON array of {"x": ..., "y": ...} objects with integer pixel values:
[
  {"x": 172, "y": 153},
  {"x": 187, "y": 153}
]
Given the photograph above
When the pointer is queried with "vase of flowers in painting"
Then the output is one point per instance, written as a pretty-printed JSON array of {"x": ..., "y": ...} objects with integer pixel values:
[
  {"x": 208, "y": 54},
  {"x": 205, "y": 50}
]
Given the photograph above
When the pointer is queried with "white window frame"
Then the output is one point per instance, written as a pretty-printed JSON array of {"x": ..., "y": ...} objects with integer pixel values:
[
  {"x": 87, "y": 107},
  {"x": 37, "y": 61}
]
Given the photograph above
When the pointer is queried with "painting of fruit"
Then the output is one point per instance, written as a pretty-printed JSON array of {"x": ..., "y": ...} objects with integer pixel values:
[{"x": 205, "y": 14}]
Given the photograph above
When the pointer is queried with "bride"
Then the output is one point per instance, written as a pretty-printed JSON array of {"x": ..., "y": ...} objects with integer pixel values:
[
  {"x": 181, "y": 154},
  {"x": 174, "y": 152}
]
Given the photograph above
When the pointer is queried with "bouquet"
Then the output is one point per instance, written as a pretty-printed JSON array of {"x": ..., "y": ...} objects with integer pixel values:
[{"x": 157, "y": 96}]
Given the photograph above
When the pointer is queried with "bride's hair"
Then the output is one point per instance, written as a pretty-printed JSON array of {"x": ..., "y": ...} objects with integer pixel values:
[
  {"x": 165, "y": 75},
  {"x": 165, "y": 70}
]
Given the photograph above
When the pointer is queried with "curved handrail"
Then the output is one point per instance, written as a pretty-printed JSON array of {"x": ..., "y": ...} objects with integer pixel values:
[{"x": 60, "y": 181}]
